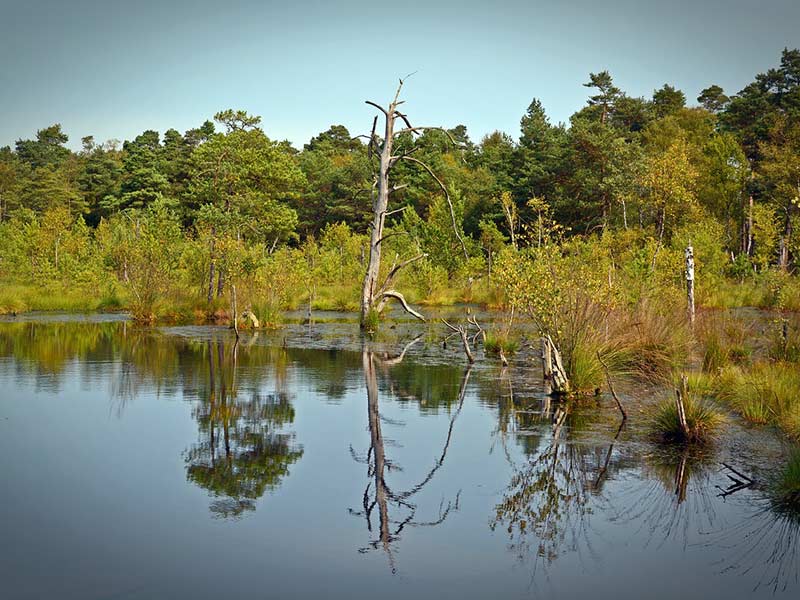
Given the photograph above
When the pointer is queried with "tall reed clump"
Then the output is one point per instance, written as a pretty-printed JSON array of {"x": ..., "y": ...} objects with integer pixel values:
[
  {"x": 660, "y": 338},
  {"x": 703, "y": 418},
  {"x": 765, "y": 393},
  {"x": 724, "y": 341}
]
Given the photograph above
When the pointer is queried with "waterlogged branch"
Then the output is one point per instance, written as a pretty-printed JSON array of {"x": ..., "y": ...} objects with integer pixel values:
[
  {"x": 611, "y": 388},
  {"x": 461, "y": 330}
]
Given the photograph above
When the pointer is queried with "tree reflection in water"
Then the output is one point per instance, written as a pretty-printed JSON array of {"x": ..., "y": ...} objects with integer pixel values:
[
  {"x": 243, "y": 451},
  {"x": 545, "y": 505},
  {"x": 396, "y": 510}
]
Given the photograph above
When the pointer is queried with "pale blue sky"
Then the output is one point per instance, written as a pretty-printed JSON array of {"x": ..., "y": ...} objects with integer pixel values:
[{"x": 115, "y": 68}]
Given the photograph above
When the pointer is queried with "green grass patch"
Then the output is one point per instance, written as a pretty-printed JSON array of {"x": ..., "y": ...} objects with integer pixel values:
[
  {"x": 498, "y": 341},
  {"x": 765, "y": 393}
]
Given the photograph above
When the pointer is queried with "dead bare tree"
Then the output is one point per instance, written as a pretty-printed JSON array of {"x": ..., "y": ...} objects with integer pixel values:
[
  {"x": 462, "y": 331},
  {"x": 374, "y": 294}
]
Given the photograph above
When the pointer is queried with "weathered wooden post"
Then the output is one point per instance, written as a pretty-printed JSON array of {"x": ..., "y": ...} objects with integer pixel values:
[
  {"x": 235, "y": 311},
  {"x": 680, "y": 395},
  {"x": 689, "y": 253}
]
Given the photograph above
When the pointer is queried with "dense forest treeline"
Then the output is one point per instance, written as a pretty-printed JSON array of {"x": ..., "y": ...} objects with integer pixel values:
[{"x": 178, "y": 218}]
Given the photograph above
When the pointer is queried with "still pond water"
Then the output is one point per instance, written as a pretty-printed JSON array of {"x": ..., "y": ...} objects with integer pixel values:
[{"x": 171, "y": 463}]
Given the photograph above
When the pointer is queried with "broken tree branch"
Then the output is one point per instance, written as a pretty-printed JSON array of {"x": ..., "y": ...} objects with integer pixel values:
[
  {"x": 378, "y": 106},
  {"x": 401, "y": 299}
]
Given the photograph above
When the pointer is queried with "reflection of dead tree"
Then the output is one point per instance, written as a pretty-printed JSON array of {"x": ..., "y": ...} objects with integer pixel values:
[
  {"x": 604, "y": 469},
  {"x": 396, "y": 360},
  {"x": 378, "y": 494}
]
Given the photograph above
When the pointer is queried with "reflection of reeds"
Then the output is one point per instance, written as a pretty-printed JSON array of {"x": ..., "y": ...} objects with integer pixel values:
[
  {"x": 765, "y": 544},
  {"x": 678, "y": 501}
]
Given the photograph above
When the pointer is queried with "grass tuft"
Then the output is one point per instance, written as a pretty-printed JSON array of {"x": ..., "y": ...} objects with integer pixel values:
[
  {"x": 703, "y": 419},
  {"x": 786, "y": 487},
  {"x": 495, "y": 342}
]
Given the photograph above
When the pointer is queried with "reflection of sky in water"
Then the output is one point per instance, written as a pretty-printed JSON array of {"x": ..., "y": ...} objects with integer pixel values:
[{"x": 148, "y": 464}]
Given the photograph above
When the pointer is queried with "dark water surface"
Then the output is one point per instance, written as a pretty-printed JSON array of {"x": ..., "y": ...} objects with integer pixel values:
[{"x": 171, "y": 463}]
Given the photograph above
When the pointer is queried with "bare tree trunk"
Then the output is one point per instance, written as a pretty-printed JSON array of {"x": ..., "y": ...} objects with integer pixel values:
[
  {"x": 681, "y": 414},
  {"x": 379, "y": 204},
  {"x": 558, "y": 374},
  {"x": 625, "y": 215},
  {"x": 235, "y": 311},
  {"x": 462, "y": 331},
  {"x": 747, "y": 233}
]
